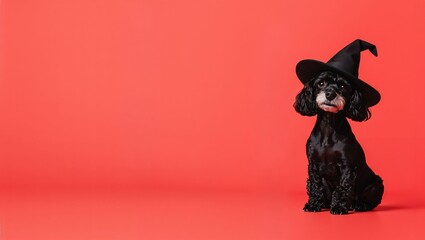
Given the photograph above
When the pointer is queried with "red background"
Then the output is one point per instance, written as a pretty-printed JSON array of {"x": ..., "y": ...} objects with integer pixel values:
[{"x": 196, "y": 95}]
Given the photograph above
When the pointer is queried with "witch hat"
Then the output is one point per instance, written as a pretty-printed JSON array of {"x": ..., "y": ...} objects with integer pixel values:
[{"x": 345, "y": 62}]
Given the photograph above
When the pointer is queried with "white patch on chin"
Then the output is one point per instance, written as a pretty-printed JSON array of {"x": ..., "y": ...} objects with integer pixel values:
[{"x": 334, "y": 106}]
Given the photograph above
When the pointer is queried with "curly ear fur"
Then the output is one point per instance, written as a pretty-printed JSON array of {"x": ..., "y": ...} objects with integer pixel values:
[
  {"x": 305, "y": 102},
  {"x": 357, "y": 109}
]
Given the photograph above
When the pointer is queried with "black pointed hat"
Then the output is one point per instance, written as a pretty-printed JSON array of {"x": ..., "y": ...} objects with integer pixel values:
[{"x": 345, "y": 62}]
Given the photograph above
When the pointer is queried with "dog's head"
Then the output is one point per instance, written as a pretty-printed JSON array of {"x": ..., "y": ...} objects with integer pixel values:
[{"x": 330, "y": 92}]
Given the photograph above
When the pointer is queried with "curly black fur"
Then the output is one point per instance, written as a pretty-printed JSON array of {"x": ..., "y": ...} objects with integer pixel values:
[
  {"x": 305, "y": 104},
  {"x": 338, "y": 176}
]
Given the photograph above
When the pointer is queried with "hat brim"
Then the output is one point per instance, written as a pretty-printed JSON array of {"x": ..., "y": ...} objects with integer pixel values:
[{"x": 308, "y": 69}]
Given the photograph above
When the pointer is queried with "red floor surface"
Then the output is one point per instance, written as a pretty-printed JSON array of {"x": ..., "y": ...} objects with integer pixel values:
[{"x": 195, "y": 215}]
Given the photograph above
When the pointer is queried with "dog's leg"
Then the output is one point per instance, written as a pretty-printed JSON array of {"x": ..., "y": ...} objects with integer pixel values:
[
  {"x": 370, "y": 197},
  {"x": 315, "y": 191},
  {"x": 342, "y": 197}
]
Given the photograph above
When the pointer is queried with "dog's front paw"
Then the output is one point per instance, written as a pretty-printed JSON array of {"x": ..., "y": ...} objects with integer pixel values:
[
  {"x": 311, "y": 208},
  {"x": 339, "y": 210}
]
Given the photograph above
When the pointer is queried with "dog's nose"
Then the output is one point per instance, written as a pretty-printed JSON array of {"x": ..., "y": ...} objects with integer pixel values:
[{"x": 330, "y": 95}]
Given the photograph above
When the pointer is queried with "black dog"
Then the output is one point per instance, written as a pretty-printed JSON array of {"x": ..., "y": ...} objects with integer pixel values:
[{"x": 338, "y": 176}]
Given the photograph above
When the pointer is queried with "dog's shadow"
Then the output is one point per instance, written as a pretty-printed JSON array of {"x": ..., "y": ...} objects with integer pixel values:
[
  {"x": 397, "y": 207},
  {"x": 385, "y": 208}
]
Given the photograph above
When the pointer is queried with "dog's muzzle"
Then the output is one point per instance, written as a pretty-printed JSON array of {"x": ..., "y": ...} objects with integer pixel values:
[{"x": 334, "y": 105}]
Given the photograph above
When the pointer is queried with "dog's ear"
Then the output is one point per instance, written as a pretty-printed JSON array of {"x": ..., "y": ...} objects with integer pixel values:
[
  {"x": 305, "y": 102},
  {"x": 357, "y": 109}
]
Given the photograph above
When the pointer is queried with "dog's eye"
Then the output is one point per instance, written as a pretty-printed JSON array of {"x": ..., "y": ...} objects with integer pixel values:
[
  {"x": 321, "y": 84},
  {"x": 341, "y": 85}
]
